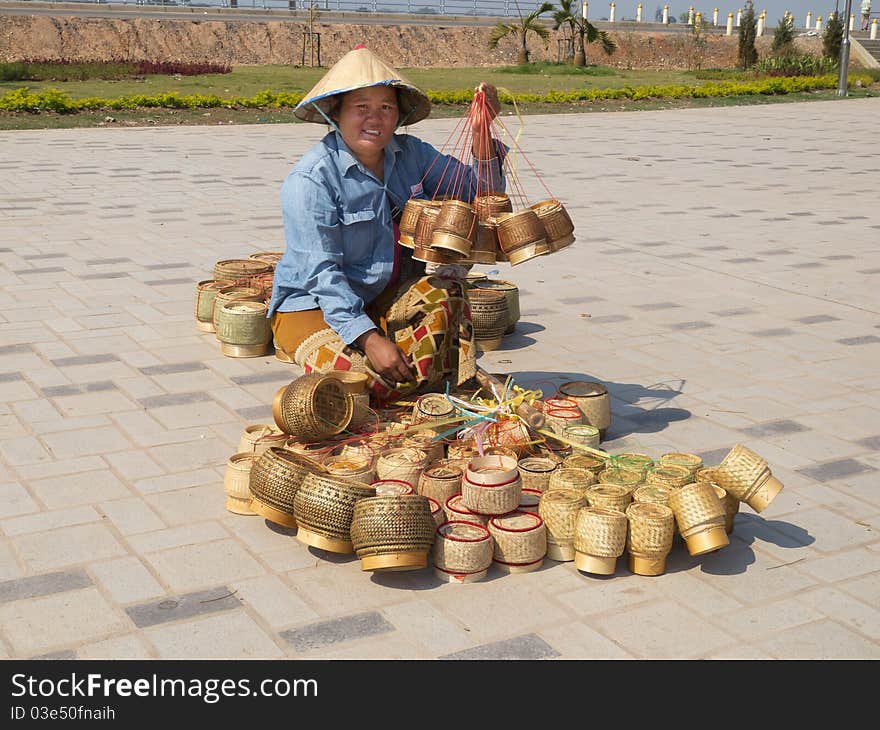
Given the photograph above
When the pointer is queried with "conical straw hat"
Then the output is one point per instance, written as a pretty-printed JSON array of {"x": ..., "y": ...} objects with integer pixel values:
[{"x": 357, "y": 69}]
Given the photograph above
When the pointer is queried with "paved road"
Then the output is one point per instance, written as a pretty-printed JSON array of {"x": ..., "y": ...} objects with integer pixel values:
[{"x": 723, "y": 285}]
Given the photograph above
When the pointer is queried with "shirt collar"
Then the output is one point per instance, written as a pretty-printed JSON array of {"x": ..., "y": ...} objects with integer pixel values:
[{"x": 347, "y": 160}]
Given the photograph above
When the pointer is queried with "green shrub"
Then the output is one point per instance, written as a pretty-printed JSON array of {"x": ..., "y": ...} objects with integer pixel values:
[
  {"x": 783, "y": 36},
  {"x": 557, "y": 69},
  {"x": 747, "y": 54},
  {"x": 832, "y": 36},
  {"x": 796, "y": 64}
]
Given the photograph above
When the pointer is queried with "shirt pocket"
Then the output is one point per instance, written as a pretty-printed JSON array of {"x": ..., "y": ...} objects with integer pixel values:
[{"x": 358, "y": 234}]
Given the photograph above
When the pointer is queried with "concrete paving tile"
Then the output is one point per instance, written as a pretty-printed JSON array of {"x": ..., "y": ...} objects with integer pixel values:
[
  {"x": 322, "y": 634},
  {"x": 598, "y": 596},
  {"x": 202, "y": 532},
  {"x": 180, "y": 480},
  {"x": 44, "y": 551},
  {"x": 421, "y": 623},
  {"x": 83, "y": 488},
  {"x": 274, "y": 601},
  {"x": 59, "y": 620},
  {"x": 63, "y": 467},
  {"x": 42, "y": 585},
  {"x": 825, "y": 639},
  {"x": 129, "y": 646},
  {"x": 845, "y": 609},
  {"x": 133, "y": 465},
  {"x": 126, "y": 580},
  {"x": 41, "y": 521},
  {"x": 528, "y": 646},
  {"x": 175, "y": 608},
  {"x": 91, "y": 404},
  {"x": 578, "y": 641},
  {"x": 262, "y": 536},
  {"x": 738, "y": 651},
  {"x": 750, "y": 624},
  {"x": 15, "y": 500},
  {"x": 231, "y": 635},
  {"x": 191, "y": 504},
  {"x": 207, "y": 451},
  {"x": 81, "y": 443},
  {"x": 191, "y": 567},
  {"x": 24, "y": 450},
  {"x": 131, "y": 516},
  {"x": 9, "y": 566}
]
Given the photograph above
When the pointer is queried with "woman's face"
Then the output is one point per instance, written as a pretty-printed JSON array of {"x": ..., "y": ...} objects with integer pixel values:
[{"x": 367, "y": 119}]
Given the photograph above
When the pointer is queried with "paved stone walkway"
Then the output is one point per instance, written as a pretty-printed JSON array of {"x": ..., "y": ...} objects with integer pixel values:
[{"x": 720, "y": 285}]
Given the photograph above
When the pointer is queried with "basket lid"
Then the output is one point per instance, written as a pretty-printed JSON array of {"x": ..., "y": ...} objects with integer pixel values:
[
  {"x": 517, "y": 521},
  {"x": 462, "y": 531},
  {"x": 582, "y": 389}
]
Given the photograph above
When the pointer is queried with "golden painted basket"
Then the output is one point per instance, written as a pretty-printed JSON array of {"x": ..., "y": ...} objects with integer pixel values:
[
  {"x": 599, "y": 539},
  {"x": 432, "y": 407},
  {"x": 521, "y": 236},
  {"x": 353, "y": 383},
  {"x": 670, "y": 476},
  {"x": 276, "y": 476},
  {"x": 592, "y": 464},
  {"x": 492, "y": 204},
  {"x": 557, "y": 223},
  {"x": 240, "y": 269},
  {"x": 440, "y": 481},
  {"x": 456, "y": 510},
  {"x": 653, "y": 494},
  {"x": 462, "y": 552},
  {"x": 361, "y": 413},
  {"x": 392, "y": 487},
  {"x": 236, "y": 483},
  {"x": 324, "y": 509},
  {"x": 593, "y": 400},
  {"x": 634, "y": 462},
  {"x": 243, "y": 329},
  {"x": 609, "y": 496},
  {"x": 511, "y": 293},
  {"x": 529, "y": 500},
  {"x": 535, "y": 472},
  {"x": 691, "y": 462},
  {"x": 206, "y": 291},
  {"x": 491, "y": 485},
  {"x": 582, "y": 434},
  {"x": 520, "y": 541},
  {"x": 747, "y": 477},
  {"x": 626, "y": 478},
  {"x": 409, "y": 218},
  {"x": 260, "y": 436},
  {"x": 731, "y": 507},
  {"x": 454, "y": 229},
  {"x": 650, "y": 530},
  {"x": 569, "y": 477},
  {"x": 392, "y": 532},
  {"x": 235, "y": 292},
  {"x": 489, "y": 316},
  {"x": 559, "y": 509},
  {"x": 699, "y": 515},
  {"x": 313, "y": 407},
  {"x": 485, "y": 244},
  {"x": 437, "y": 513},
  {"x": 401, "y": 463},
  {"x": 349, "y": 467}
]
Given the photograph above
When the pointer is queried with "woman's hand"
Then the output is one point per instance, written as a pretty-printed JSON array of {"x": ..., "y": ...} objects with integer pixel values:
[
  {"x": 485, "y": 108},
  {"x": 386, "y": 358}
]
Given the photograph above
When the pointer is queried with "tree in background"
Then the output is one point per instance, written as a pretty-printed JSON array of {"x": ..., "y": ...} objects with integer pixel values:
[
  {"x": 568, "y": 14},
  {"x": 747, "y": 54},
  {"x": 783, "y": 36},
  {"x": 832, "y": 37},
  {"x": 521, "y": 30}
]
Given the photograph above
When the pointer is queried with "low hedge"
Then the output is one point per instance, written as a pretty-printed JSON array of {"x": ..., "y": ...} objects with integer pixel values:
[{"x": 53, "y": 100}]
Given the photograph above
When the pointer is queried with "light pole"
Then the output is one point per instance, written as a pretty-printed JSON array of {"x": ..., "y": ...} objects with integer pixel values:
[{"x": 844, "y": 54}]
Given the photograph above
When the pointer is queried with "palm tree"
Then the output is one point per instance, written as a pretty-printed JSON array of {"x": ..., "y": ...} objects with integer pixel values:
[
  {"x": 526, "y": 25},
  {"x": 586, "y": 31}
]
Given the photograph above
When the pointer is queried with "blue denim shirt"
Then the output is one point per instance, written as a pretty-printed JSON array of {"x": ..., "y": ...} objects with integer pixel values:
[{"x": 338, "y": 223}]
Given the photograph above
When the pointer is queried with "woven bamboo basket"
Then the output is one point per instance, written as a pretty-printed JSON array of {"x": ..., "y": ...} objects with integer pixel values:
[
  {"x": 529, "y": 500},
  {"x": 747, "y": 477},
  {"x": 521, "y": 236},
  {"x": 691, "y": 462},
  {"x": 650, "y": 530},
  {"x": 599, "y": 539},
  {"x": 593, "y": 400},
  {"x": 268, "y": 257},
  {"x": 206, "y": 291},
  {"x": 276, "y": 476},
  {"x": 559, "y": 509},
  {"x": 313, "y": 407},
  {"x": 351, "y": 468},
  {"x": 699, "y": 515},
  {"x": 731, "y": 507},
  {"x": 432, "y": 407},
  {"x": 437, "y": 513},
  {"x": 353, "y": 382},
  {"x": 485, "y": 244},
  {"x": 582, "y": 433},
  {"x": 392, "y": 532},
  {"x": 426, "y": 440},
  {"x": 462, "y": 552},
  {"x": 592, "y": 464},
  {"x": 461, "y": 451},
  {"x": 652, "y": 494},
  {"x": 535, "y": 472},
  {"x": 392, "y": 487},
  {"x": 609, "y": 496},
  {"x": 565, "y": 403},
  {"x": 492, "y": 205},
  {"x": 626, "y": 478},
  {"x": 361, "y": 413},
  {"x": 569, "y": 477},
  {"x": 440, "y": 481},
  {"x": 557, "y": 223},
  {"x": 510, "y": 434},
  {"x": 670, "y": 476},
  {"x": 634, "y": 462},
  {"x": 520, "y": 542},
  {"x": 260, "y": 436},
  {"x": 324, "y": 509},
  {"x": 454, "y": 229},
  {"x": 558, "y": 419},
  {"x": 243, "y": 329},
  {"x": 240, "y": 269},
  {"x": 265, "y": 283},
  {"x": 705, "y": 474},
  {"x": 434, "y": 256},
  {"x": 424, "y": 232},
  {"x": 409, "y": 218},
  {"x": 456, "y": 510},
  {"x": 489, "y": 316},
  {"x": 318, "y": 452},
  {"x": 234, "y": 292},
  {"x": 491, "y": 485},
  {"x": 401, "y": 463},
  {"x": 511, "y": 293},
  {"x": 236, "y": 483}
]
